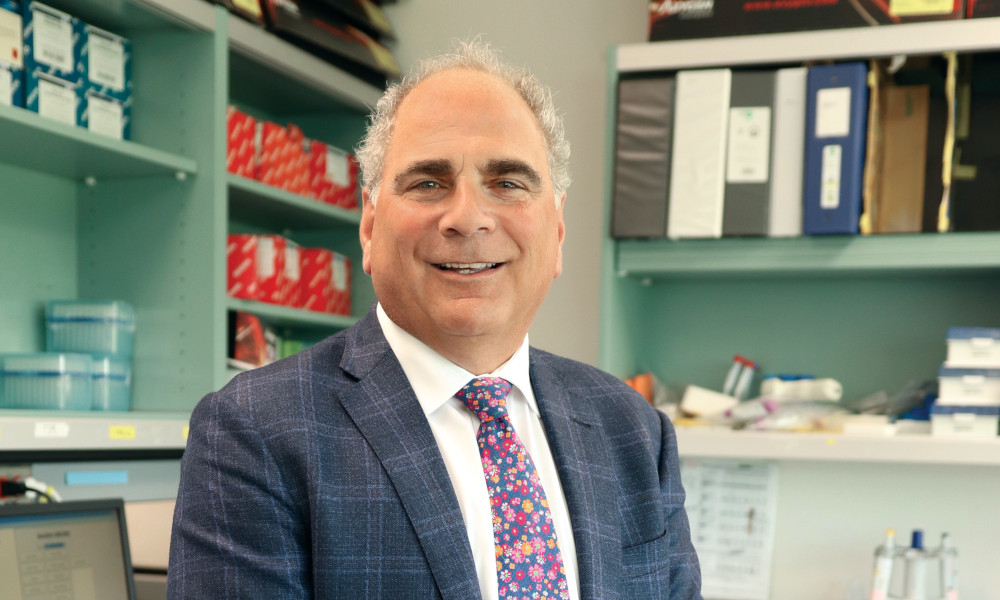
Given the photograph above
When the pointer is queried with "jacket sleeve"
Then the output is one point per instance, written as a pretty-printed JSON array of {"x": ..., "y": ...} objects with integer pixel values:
[
  {"x": 685, "y": 572},
  {"x": 239, "y": 528}
]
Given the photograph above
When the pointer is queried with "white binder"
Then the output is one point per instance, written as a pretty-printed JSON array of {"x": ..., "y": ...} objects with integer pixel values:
[
  {"x": 788, "y": 152},
  {"x": 698, "y": 167}
]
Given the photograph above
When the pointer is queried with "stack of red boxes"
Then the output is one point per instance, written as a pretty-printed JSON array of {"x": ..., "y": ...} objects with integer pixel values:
[
  {"x": 240, "y": 130},
  {"x": 280, "y": 159},
  {"x": 333, "y": 175},
  {"x": 270, "y": 268}
]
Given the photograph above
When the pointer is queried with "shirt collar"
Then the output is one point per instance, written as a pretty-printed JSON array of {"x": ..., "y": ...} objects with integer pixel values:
[{"x": 435, "y": 379}]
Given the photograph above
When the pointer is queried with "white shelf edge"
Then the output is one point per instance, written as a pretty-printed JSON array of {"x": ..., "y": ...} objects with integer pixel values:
[
  {"x": 265, "y": 48},
  {"x": 759, "y": 445},
  {"x": 850, "y": 43},
  {"x": 50, "y": 430}
]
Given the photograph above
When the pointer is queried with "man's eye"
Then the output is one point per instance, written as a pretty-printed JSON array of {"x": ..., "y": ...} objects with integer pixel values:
[
  {"x": 427, "y": 185},
  {"x": 509, "y": 185}
]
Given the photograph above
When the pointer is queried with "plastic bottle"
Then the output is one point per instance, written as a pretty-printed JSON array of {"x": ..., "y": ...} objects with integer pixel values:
[
  {"x": 884, "y": 555},
  {"x": 916, "y": 568},
  {"x": 949, "y": 568}
]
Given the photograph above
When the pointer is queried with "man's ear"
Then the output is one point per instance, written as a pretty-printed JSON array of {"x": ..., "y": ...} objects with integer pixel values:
[
  {"x": 561, "y": 233},
  {"x": 365, "y": 231}
]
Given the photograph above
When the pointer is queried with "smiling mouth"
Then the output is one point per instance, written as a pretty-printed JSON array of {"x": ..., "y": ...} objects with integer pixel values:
[{"x": 467, "y": 268}]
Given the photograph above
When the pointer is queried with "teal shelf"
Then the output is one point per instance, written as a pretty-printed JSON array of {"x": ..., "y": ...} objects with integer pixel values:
[
  {"x": 282, "y": 316},
  {"x": 255, "y": 203},
  {"x": 58, "y": 149},
  {"x": 815, "y": 256}
]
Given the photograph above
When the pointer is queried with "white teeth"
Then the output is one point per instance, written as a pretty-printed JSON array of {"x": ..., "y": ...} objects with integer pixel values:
[{"x": 467, "y": 268}]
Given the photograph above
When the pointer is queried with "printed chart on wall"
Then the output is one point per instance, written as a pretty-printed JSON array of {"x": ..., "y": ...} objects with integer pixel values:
[{"x": 732, "y": 506}]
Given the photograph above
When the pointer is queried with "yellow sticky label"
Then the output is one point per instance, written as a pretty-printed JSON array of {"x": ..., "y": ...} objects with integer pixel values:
[
  {"x": 831, "y": 441},
  {"x": 187, "y": 429},
  {"x": 250, "y": 6},
  {"x": 121, "y": 432},
  {"x": 915, "y": 8}
]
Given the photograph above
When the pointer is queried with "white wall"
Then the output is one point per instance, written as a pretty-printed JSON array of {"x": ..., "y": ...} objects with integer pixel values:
[{"x": 565, "y": 43}]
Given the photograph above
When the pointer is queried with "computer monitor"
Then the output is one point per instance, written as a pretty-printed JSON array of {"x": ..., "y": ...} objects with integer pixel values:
[{"x": 65, "y": 551}]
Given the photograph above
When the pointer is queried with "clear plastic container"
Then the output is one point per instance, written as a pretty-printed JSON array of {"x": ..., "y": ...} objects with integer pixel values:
[
  {"x": 112, "y": 384},
  {"x": 101, "y": 327},
  {"x": 46, "y": 381}
]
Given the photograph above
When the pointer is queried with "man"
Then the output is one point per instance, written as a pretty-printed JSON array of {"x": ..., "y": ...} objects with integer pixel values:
[{"x": 427, "y": 452}]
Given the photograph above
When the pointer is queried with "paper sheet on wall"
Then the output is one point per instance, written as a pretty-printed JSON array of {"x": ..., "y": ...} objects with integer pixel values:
[{"x": 732, "y": 507}]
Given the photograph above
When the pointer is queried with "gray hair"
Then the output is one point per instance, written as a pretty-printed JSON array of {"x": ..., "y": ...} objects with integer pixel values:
[{"x": 479, "y": 56}]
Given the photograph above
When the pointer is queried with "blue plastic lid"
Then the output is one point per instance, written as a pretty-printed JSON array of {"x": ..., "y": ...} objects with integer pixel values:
[
  {"x": 788, "y": 377},
  {"x": 949, "y": 409},
  {"x": 918, "y": 539},
  {"x": 954, "y": 372},
  {"x": 967, "y": 333}
]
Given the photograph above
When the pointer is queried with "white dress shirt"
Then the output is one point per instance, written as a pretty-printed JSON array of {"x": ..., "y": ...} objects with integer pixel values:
[{"x": 435, "y": 381}]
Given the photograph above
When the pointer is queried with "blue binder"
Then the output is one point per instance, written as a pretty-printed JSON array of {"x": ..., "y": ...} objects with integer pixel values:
[{"x": 836, "y": 129}]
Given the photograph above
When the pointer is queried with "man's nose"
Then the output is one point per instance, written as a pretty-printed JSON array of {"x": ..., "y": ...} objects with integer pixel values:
[{"x": 468, "y": 211}]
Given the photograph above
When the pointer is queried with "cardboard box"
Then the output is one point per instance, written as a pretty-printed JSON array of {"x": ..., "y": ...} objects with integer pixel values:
[
  {"x": 316, "y": 272},
  {"x": 106, "y": 63},
  {"x": 248, "y": 9},
  {"x": 322, "y": 29},
  {"x": 51, "y": 43},
  {"x": 688, "y": 19},
  {"x": 11, "y": 86},
  {"x": 293, "y": 275},
  {"x": 334, "y": 175},
  {"x": 11, "y": 37},
  {"x": 240, "y": 132},
  {"x": 340, "y": 280},
  {"x": 271, "y": 284},
  {"x": 983, "y": 8},
  {"x": 105, "y": 115},
  {"x": 53, "y": 97},
  {"x": 241, "y": 266},
  {"x": 365, "y": 14}
]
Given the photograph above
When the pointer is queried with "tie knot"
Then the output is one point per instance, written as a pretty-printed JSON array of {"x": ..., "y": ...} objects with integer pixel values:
[{"x": 486, "y": 396}]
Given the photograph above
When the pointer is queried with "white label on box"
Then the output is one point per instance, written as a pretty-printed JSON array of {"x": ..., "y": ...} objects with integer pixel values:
[
  {"x": 829, "y": 193},
  {"x": 749, "y": 144},
  {"x": 919, "y": 8},
  {"x": 104, "y": 116},
  {"x": 833, "y": 112},
  {"x": 10, "y": 38},
  {"x": 49, "y": 430},
  {"x": 6, "y": 86},
  {"x": 106, "y": 62},
  {"x": 339, "y": 273},
  {"x": 57, "y": 101},
  {"x": 53, "y": 43},
  {"x": 336, "y": 167},
  {"x": 292, "y": 262},
  {"x": 265, "y": 257}
]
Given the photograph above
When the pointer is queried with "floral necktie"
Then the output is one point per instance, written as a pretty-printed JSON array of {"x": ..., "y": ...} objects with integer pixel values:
[{"x": 529, "y": 563}]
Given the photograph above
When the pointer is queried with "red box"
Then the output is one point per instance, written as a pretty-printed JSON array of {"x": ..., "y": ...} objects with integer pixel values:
[
  {"x": 240, "y": 129},
  {"x": 334, "y": 175},
  {"x": 241, "y": 266},
  {"x": 983, "y": 8},
  {"x": 271, "y": 278},
  {"x": 316, "y": 278},
  {"x": 340, "y": 283},
  {"x": 293, "y": 271},
  {"x": 271, "y": 148}
]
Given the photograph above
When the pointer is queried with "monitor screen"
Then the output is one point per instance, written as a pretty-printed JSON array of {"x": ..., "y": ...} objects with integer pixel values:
[{"x": 65, "y": 550}]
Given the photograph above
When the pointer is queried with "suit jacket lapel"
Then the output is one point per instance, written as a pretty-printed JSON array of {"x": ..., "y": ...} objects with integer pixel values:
[
  {"x": 589, "y": 483},
  {"x": 390, "y": 418}
]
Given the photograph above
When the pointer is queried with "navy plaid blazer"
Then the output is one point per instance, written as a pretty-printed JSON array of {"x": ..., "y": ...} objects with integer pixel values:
[{"x": 318, "y": 477}]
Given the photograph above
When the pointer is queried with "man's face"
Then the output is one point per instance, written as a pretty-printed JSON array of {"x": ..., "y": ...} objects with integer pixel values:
[{"x": 465, "y": 236}]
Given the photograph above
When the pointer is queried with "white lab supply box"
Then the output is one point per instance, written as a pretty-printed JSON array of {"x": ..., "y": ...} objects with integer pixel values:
[
  {"x": 968, "y": 387},
  {"x": 973, "y": 347},
  {"x": 965, "y": 421},
  {"x": 46, "y": 381},
  {"x": 112, "y": 383},
  {"x": 101, "y": 327}
]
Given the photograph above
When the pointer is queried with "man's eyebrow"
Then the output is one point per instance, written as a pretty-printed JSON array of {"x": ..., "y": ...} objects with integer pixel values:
[
  {"x": 430, "y": 168},
  {"x": 511, "y": 166}
]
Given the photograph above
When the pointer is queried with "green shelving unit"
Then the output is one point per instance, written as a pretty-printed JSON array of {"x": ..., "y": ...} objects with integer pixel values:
[
  {"x": 145, "y": 220},
  {"x": 872, "y": 312}
]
